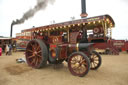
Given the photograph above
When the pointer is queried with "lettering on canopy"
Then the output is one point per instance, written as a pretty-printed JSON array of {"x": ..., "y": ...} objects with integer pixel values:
[{"x": 93, "y": 19}]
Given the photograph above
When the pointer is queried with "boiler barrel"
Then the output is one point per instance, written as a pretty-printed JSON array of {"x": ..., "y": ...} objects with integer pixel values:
[{"x": 80, "y": 45}]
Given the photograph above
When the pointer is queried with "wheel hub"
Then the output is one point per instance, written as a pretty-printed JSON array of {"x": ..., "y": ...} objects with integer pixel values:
[
  {"x": 34, "y": 53},
  {"x": 92, "y": 60},
  {"x": 77, "y": 65}
]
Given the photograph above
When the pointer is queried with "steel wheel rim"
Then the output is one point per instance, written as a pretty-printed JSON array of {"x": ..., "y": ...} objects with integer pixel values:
[
  {"x": 78, "y": 65},
  {"x": 33, "y": 54}
]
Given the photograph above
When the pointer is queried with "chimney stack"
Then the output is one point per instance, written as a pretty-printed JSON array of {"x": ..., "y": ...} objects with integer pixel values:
[
  {"x": 83, "y": 9},
  {"x": 11, "y": 31}
]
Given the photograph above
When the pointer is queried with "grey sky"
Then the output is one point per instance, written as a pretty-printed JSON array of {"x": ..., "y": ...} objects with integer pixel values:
[{"x": 61, "y": 11}]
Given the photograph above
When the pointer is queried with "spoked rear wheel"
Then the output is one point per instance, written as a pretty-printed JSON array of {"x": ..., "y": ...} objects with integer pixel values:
[
  {"x": 78, "y": 64},
  {"x": 36, "y": 53},
  {"x": 95, "y": 60}
]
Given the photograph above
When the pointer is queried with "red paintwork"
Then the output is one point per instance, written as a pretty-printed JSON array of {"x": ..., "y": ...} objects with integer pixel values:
[
  {"x": 119, "y": 44},
  {"x": 23, "y": 37},
  {"x": 126, "y": 46},
  {"x": 52, "y": 46},
  {"x": 49, "y": 33},
  {"x": 107, "y": 45},
  {"x": 103, "y": 45},
  {"x": 73, "y": 37},
  {"x": 114, "y": 44},
  {"x": 55, "y": 39},
  {"x": 63, "y": 52}
]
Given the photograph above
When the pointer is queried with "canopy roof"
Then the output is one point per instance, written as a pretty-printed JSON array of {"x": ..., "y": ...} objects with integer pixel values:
[
  {"x": 4, "y": 38},
  {"x": 89, "y": 22}
]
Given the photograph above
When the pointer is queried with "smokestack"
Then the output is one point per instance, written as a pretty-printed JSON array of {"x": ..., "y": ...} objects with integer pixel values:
[
  {"x": 41, "y": 4},
  {"x": 11, "y": 29},
  {"x": 83, "y": 9}
]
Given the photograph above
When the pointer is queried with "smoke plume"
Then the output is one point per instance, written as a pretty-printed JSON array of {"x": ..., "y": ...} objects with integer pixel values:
[{"x": 41, "y": 4}]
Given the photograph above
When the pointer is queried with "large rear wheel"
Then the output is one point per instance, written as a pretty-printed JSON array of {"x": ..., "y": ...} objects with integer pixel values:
[
  {"x": 36, "y": 53},
  {"x": 79, "y": 64}
]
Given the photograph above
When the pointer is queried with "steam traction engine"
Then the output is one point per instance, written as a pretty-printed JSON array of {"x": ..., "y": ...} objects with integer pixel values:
[{"x": 65, "y": 41}]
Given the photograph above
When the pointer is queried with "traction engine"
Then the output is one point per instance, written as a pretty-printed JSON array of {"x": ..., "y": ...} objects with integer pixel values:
[{"x": 67, "y": 41}]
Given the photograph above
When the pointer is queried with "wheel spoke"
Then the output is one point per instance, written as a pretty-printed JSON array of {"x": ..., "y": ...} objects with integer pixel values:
[
  {"x": 96, "y": 62},
  {"x": 82, "y": 61},
  {"x": 73, "y": 62},
  {"x": 39, "y": 56},
  {"x": 95, "y": 56},
  {"x": 31, "y": 44},
  {"x": 96, "y": 59},
  {"x": 33, "y": 48},
  {"x": 76, "y": 57},
  {"x": 37, "y": 61},
  {"x": 33, "y": 61},
  {"x": 93, "y": 64},
  {"x": 92, "y": 55},
  {"x": 75, "y": 68},
  {"x": 83, "y": 68},
  {"x": 30, "y": 56},
  {"x": 30, "y": 51},
  {"x": 37, "y": 48},
  {"x": 39, "y": 52},
  {"x": 79, "y": 71}
]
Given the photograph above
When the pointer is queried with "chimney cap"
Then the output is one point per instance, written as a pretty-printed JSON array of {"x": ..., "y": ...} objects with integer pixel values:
[{"x": 84, "y": 15}]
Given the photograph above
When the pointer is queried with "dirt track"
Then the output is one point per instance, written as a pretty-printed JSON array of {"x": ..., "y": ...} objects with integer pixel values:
[{"x": 113, "y": 71}]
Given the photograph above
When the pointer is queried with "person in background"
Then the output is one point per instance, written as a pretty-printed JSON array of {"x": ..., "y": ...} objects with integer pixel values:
[
  {"x": 14, "y": 46},
  {"x": 3, "y": 47},
  {"x": 10, "y": 49},
  {"x": 7, "y": 49}
]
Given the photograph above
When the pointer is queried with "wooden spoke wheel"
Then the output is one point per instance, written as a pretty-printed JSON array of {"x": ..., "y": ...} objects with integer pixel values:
[
  {"x": 79, "y": 64},
  {"x": 95, "y": 60},
  {"x": 36, "y": 53}
]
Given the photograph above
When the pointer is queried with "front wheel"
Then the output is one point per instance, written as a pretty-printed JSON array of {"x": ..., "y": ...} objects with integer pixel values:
[
  {"x": 95, "y": 60},
  {"x": 78, "y": 64}
]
